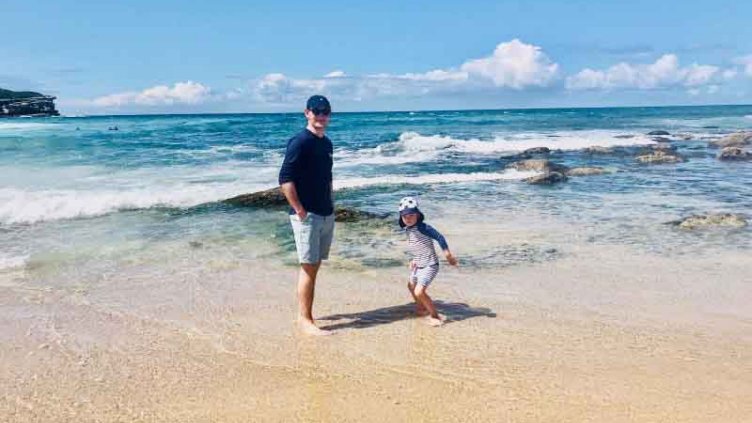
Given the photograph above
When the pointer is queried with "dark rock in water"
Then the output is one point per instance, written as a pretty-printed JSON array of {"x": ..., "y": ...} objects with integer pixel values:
[
  {"x": 537, "y": 165},
  {"x": 711, "y": 220},
  {"x": 269, "y": 198},
  {"x": 535, "y": 151},
  {"x": 547, "y": 178},
  {"x": 274, "y": 198},
  {"x": 659, "y": 157},
  {"x": 710, "y": 127},
  {"x": 599, "y": 150},
  {"x": 658, "y": 147},
  {"x": 738, "y": 139},
  {"x": 26, "y": 103},
  {"x": 345, "y": 214},
  {"x": 659, "y": 133},
  {"x": 624, "y": 137},
  {"x": 734, "y": 154},
  {"x": 510, "y": 255},
  {"x": 196, "y": 244},
  {"x": 586, "y": 171},
  {"x": 662, "y": 139}
]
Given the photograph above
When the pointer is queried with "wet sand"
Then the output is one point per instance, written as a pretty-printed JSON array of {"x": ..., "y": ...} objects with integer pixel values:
[{"x": 596, "y": 335}]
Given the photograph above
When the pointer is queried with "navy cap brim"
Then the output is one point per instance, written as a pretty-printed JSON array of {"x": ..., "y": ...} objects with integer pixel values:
[
  {"x": 319, "y": 103},
  {"x": 409, "y": 211}
]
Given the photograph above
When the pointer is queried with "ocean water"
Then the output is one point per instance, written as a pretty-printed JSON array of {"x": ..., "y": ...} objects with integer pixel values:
[{"x": 79, "y": 201}]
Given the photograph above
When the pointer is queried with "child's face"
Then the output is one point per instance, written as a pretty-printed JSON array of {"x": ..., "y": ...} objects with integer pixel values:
[{"x": 410, "y": 219}]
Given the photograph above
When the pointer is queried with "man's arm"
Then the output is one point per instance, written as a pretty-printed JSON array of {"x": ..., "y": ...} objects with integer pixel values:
[
  {"x": 288, "y": 173},
  {"x": 291, "y": 194}
]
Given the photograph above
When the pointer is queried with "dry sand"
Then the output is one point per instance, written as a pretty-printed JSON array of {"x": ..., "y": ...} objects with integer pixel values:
[{"x": 602, "y": 336}]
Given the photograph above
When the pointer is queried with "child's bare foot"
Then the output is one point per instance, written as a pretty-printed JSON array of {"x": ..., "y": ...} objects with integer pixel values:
[
  {"x": 308, "y": 328},
  {"x": 433, "y": 321}
]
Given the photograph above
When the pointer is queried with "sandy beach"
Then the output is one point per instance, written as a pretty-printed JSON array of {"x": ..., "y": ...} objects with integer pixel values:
[
  {"x": 600, "y": 333},
  {"x": 173, "y": 173}
]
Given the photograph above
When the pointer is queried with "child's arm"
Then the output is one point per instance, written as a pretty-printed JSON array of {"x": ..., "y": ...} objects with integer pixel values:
[
  {"x": 430, "y": 231},
  {"x": 451, "y": 258}
]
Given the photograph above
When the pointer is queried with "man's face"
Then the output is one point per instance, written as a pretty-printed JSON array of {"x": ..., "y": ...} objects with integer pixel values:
[{"x": 318, "y": 121}]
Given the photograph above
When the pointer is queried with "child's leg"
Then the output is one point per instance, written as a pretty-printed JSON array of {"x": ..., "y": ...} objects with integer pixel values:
[
  {"x": 419, "y": 309},
  {"x": 422, "y": 296}
]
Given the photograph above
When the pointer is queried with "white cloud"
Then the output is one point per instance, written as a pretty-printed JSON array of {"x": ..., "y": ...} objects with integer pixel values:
[
  {"x": 437, "y": 75},
  {"x": 664, "y": 72},
  {"x": 280, "y": 89},
  {"x": 188, "y": 92},
  {"x": 729, "y": 74},
  {"x": 514, "y": 64},
  {"x": 699, "y": 74},
  {"x": 335, "y": 74},
  {"x": 746, "y": 63},
  {"x": 709, "y": 90}
]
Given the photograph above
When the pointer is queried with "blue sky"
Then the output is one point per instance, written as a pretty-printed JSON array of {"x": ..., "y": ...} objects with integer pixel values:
[{"x": 236, "y": 56}]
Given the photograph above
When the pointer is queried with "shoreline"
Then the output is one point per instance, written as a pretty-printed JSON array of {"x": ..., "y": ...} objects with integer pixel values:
[{"x": 536, "y": 345}]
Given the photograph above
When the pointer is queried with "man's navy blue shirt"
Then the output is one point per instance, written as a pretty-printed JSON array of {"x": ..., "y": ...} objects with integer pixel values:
[{"x": 308, "y": 163}]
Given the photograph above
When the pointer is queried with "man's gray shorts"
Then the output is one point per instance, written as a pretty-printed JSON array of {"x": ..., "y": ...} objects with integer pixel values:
[{"x": 313, "y": 236}]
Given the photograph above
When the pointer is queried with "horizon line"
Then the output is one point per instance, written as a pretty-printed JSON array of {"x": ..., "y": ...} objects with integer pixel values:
[{"x": 415, "y": 110}]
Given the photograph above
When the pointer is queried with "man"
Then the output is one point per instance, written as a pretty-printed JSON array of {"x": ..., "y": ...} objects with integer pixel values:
[{"x": 306, "y": 181}]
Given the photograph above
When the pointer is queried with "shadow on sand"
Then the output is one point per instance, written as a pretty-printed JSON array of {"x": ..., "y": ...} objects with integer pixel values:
[{"x": 454, "y": 312}]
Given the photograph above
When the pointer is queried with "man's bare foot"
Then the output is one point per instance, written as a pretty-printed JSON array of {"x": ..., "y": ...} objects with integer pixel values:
[
  {"x": 421, "y": 312},
  {"x": 309, "y": 328},
  {"x": 434, "y": 321}
]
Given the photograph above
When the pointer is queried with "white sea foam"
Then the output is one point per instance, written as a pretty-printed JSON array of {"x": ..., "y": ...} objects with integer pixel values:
[
  {"x": 37, "y": 205},
  {"x": 10, "y": 262},
  {"x": 442, "y": 178},
  {"x": 563, "y": 140},
  {"x": 44, "y": 195},
  {"x": 413, "y": 147},
  {"x": 724, "y": 123},
  {"x": 22, "y": 206},
  {"x": 23, "y": 126}
]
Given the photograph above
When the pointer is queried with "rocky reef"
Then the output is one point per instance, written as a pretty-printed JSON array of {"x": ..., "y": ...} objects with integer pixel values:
[
  {"x": 274, "y": 198},
  {"x": 711, "y": 220},
  {"x": 26, "y": 103}
]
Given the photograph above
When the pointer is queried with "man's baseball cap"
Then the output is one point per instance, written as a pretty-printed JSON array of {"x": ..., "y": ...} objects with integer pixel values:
[{"x": 318, "y": 104}]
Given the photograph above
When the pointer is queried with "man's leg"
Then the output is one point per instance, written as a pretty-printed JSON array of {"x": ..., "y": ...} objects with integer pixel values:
[
  {"x": 307, "y": 243},
  {"x": 306, "y": 292}
]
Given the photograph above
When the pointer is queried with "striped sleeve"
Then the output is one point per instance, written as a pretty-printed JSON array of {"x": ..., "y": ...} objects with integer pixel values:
[{"x": 430, "y": 231}]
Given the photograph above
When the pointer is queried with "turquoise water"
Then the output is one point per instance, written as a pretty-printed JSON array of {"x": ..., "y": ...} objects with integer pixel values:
[{"x": 73, "y": 191}]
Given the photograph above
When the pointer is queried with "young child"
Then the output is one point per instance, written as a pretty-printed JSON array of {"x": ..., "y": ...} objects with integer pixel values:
[{"x": 424, "y": 264}]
